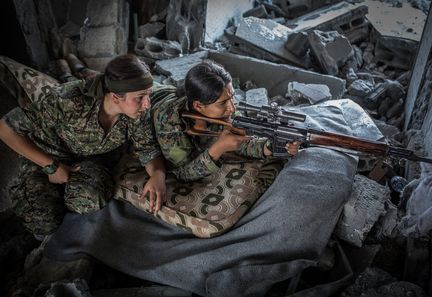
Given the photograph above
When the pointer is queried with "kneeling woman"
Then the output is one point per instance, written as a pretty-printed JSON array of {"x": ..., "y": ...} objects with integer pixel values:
[{"x": 209, "y": 91}]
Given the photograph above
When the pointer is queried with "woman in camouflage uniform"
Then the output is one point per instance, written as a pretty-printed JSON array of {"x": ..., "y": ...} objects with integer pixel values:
[
  {"x": 209, "y": 91},
  {"x": 68, "y": 140}
]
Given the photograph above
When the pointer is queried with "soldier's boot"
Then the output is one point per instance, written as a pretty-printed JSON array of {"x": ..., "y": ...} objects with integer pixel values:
[
  {"x": 63, "y": 70},
  {"x": 87, "y": 72},
  {"x": 79, "y": 69},
  {"x": 75, "y": 64}
]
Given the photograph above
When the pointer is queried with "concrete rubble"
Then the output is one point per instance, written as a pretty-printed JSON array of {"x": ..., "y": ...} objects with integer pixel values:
[
  {"x": 286, "y": 52},
  {"x": 363, "y": 209},
  {"x": 346, "y": 18}
]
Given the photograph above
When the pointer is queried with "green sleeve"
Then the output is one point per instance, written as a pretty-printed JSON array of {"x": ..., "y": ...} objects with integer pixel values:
[
  {"x": 143, "y": 140},
  {"x": 253, "y": 148},
  {"x": 176, "y": 146},
  {"x": 44, "y": 114}
]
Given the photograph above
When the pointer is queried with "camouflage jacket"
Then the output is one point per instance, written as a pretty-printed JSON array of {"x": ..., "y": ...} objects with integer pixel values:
[
  {"x": 188, "y": 156},
  {"x": 65, "y": 124}
]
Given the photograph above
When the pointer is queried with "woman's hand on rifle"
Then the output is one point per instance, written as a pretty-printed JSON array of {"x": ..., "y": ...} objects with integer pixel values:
[
  {"x": 226, "y": 142},
  {"x": 293, "y": 147}
]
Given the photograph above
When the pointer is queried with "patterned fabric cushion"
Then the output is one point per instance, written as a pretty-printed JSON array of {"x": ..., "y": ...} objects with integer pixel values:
[
  {"x": 24, "y": 83},
  {"x": 208, "y": 207}
]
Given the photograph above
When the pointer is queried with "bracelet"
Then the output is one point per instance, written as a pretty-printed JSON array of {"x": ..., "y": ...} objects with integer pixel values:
[{"x": 51, "y": 168}]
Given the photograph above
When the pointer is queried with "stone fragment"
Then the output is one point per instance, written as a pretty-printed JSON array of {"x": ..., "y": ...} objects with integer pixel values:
[
  {"x": 158, "y": 49},
  {"x": 297, "y": 43},
  {"x": 310, "y": 93},
  {"x": 177, "y": 68},
  {"x": 267, "y": 35},
  {"x": 258, "y": 12},
  {"x": 346, "y": 18},
  {"x": 360, "y": 88},
  {"x": 257, "y": 97},
  {"x": 363, "y": 209},
  {"x": 331, "y": 50}
]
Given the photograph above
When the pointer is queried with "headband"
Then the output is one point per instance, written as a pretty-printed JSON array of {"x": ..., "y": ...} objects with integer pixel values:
[{"x": 139, "y": 83}]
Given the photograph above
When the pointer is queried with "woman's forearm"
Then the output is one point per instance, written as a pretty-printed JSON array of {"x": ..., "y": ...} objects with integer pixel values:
[
  {"x": 155, "y": 166},
  {"x": 23, "y": 146}
]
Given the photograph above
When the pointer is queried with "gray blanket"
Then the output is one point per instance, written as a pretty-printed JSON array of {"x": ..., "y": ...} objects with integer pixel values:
[{"x": 282, "y": 234}]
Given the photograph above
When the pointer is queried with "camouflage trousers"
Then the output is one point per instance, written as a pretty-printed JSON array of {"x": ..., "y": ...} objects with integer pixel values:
[{"x": 42, "y": 205}]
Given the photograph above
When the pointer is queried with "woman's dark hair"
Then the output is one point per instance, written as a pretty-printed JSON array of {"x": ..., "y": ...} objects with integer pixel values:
[
  {"x": 124, "y": 67},
  {"x": 205, "y": 82}
]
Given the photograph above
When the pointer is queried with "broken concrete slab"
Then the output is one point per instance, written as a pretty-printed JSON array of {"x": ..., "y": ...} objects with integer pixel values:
[
  {"x": 331, "y": 50},
  {"x": 403, "y": 22},
  {"x": 241, "y": 47},
  {"x": 158, "y": 49},
  {"x": 274, "y": 77},
  {"x": 177, "y": 68},
  {"x": 268, "y": 35},
  {"x": 257, "y": 97},
  {"x": 346, "y": 18},
  {"x": 307, "y": 93},
  {"x": 363, "y": 209},
  {"x": 395, "y": 53}
]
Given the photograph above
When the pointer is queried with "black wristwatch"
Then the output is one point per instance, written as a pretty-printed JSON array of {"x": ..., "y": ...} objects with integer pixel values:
[{"x": 51, "y": 168}]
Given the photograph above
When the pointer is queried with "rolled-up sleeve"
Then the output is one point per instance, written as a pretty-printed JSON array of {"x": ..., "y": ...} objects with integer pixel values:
[{"x": 253, "y": 148}]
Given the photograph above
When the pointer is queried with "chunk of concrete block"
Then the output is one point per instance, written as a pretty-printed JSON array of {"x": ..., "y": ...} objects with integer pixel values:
[
  {"x": 257, "y": 97},
  {"x": 297, "y": 43},
  {"x": 177, "y": 68},
  {"x": 312, "y": 93},
  {"x": 258, "y": 12},
  {"x": 268, "y": 35},
  {"x": 274, "y": 77},
  {"x": 346, "y": 18},
  {"x": 331, "y": 49},
  {"x": 360, "y": 88},
  {"x": 158, "y": 49},
  {"x": 403, "y": 22},
  {"x": 363, "y": 209}
]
